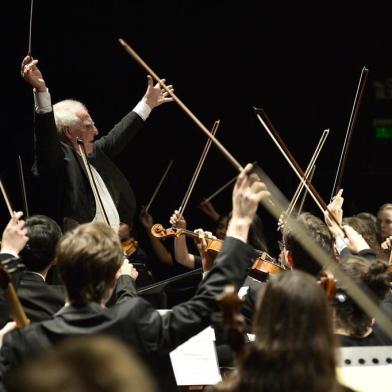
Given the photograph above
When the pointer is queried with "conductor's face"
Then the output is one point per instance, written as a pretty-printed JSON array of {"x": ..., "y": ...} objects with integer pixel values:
[{"x": 84, "y": 130}]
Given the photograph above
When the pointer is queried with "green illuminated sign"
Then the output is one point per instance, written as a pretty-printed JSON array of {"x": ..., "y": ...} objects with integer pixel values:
[{"x": 384, "y": 132}]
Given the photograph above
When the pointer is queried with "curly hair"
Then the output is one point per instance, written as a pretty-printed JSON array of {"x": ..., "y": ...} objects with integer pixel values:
[
  {"x": 364, "y": 228},
  {"x": 375, "y": 276}
]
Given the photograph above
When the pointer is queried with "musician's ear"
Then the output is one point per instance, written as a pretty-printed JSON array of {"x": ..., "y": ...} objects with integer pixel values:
[{"x": 68, "y": 135}]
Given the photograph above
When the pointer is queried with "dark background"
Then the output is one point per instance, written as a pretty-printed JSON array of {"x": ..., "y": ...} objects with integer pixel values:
[{"x": 224, "y": 57}]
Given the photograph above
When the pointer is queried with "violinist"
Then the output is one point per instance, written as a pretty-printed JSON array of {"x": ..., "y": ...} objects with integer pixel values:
[
  {"x": 134, "y": 321},
  {"x": 294, "y": 254},
  {"x": 38, "y": 296},
  {"x": 135, "y": 255},
  {"x": 160, "y": 251},
  {"x": 353, "y": 326},
  {"x": 13, "y": 240},
  {"x": 183, "y": 256},
  {"x": 294, "y": 347},
  {"x": 384, "y": 220},
  {"x": 355, "y": 242},
  {"x": 59, "y": 166}
]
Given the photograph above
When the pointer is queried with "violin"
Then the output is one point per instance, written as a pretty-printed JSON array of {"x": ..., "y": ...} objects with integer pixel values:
[
  {"x": 265, "y": 265},
  {"x": 261, "y": 268},
  {"x": 129, "y": 246},
  {"x": 328, "y": 283},
  {"x": 214, "y": 245}
]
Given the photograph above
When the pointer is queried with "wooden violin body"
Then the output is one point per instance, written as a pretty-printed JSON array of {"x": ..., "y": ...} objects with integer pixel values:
[
  {"x": 265, "y": 265},
  {"x": 129, "y": 246},
  {"x": 328, "y": 283},
  {"x": 261, "y": 268}
]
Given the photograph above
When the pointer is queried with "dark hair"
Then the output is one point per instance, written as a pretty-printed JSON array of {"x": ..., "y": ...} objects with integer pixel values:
[
  {"x": 256, "y": 236},
  {"x": 294, "y": 333},
  {"x": 83, "y": 363},
  {"x": 88, "y": 259},
  {"x": 319, "y": 232},
  {"x": 363, "y": 227},
  {"x": 44, "y": 234},
  {"x": 375, "y": 276},
  {"x": 369, "y": 218}
]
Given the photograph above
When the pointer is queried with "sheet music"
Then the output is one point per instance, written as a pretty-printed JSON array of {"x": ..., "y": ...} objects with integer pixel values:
[
  {"x": 195, "y": 361},
  {"x": 366, "y": 378}
]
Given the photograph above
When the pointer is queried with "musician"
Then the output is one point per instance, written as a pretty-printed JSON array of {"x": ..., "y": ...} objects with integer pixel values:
[
  {"x": 353, "y": 326},
  {"x": 40, "y": 299},
  {"x": 384, "y": 220},
  {"x": 183, "y": 256},
  {"x": 89, "y": 258},
  {"x": 88, "y": 363},
  {"x": 59, "y": 165},
  {"x": 14, "y": 237},
  {"x": 136, "y": 255},
  {"x": 13, "y": 240},
  {"x": 294, "y": 347},
  {"x": 294, "y": 254}
]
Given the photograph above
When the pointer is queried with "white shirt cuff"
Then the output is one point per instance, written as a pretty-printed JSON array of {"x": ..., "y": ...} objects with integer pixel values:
[
  {"x": 42, "y": 101},
  {"x": 143, "y": 110},
  {"x": 11, "y": 252},
  {"x": 340, "y": 244}
]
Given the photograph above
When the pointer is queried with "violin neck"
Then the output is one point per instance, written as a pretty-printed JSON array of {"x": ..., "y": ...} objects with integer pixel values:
[{"x": 190, "y": 233}]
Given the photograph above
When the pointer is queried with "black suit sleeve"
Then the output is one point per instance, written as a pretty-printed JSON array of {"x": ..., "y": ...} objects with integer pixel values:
[
  {"x": 48, "y": 154},
  {"x": 125, "y": 289},
  {"x": 164, "y": 333},
  {"x": 122, "y": 133}
]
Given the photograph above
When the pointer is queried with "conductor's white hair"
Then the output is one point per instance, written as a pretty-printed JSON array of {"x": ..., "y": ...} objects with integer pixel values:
[{"x": 64, "y": 114}]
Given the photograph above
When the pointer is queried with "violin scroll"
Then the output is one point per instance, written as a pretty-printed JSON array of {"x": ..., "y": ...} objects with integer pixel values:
[{"x": 159, "y": 231}]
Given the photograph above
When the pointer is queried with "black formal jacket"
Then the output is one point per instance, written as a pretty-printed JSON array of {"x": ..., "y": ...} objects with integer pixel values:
[
  {"x": 41, "y": 300},
  {"x": 135, "y": 321},
  {"x": 66, "y": 191}
]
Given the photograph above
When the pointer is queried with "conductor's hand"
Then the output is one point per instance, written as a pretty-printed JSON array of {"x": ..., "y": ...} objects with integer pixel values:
[
  {"x": 32, "y": 75},
  {"x": 156, "y": 95}
]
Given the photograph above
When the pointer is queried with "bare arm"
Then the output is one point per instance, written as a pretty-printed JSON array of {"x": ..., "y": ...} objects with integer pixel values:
[
  {"x": 160, "y": 250},
  {"x": 181, "y": 251}
]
